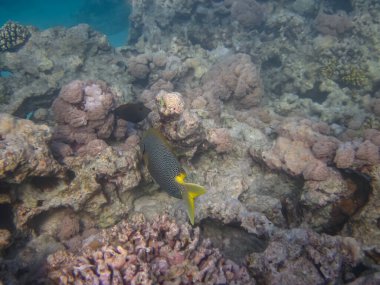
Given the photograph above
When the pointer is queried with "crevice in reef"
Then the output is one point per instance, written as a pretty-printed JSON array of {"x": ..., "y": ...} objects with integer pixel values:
[
  {"x": 44, "y": 183},
  {"x": 234, "y": 241},
  {"x": 6, "y": 217},
  {"x": 359, "y": 185},
  {"x": 38, "y": 222},
  {"x": 272, "y": 62},
  {"x": 29, "y": 105},
  {"x": 315, "y": 94}
]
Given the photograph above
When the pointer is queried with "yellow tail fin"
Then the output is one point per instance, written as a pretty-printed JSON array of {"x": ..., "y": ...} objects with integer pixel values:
[{"x": 191, "y": 192}]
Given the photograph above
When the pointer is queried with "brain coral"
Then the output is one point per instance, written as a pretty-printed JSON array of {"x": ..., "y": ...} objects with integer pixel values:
[{"x": 140, "y": 252}]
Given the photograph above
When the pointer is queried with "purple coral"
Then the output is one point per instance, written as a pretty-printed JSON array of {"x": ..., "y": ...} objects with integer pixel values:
[
  {"x": 83, "y": 113},
  {"x": 140, "y": 252},
  {"x": 234, "y": 78}
]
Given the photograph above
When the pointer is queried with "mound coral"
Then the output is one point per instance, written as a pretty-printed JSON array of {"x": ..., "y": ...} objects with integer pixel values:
[
  {"x": 83, "y": 112},
  {"x": 140, "y": 252},
  {"x": 12, "y": 36},
  {"x": 234, "y": 78},
  {"x": 250, "y": 14},
  {"x": 333, "y": 25}
]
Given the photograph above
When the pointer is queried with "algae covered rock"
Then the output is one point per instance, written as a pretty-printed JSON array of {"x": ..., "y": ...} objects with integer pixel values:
[{"x": 24, "y": 150}]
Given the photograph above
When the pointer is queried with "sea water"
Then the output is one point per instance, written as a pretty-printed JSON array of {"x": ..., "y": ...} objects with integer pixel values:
[{"x": 107, "y": 16}]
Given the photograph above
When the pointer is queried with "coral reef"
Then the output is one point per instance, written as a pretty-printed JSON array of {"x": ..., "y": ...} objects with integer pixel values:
[
  {"x": 137, "y": 252},
  {"x": 301, "y": 256},
  {"x": 101, "y": 188},
  {"x": 292, "y": 173},
  {"x": 53, "y": 58},
  {"x": 12, "y": 36},
  {"x": 24, "y": 150},
  {"x": 304, "y": 148}
]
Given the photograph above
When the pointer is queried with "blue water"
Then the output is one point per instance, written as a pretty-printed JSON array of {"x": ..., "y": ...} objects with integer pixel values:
[{"x": 107, "y": 16}]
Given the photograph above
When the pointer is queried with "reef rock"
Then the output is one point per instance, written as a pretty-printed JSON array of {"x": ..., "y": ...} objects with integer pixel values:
[
  {"x": 24, "y": 150},
  {"x": 300, "y": 256},
  {"x": 100, "y": 187}
]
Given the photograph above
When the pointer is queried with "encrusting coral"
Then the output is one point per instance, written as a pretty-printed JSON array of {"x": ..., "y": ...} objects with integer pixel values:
[{"x": 140, "y": 252}]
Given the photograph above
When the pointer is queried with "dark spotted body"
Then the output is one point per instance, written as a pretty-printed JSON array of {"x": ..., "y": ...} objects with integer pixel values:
[{"x": 162, "y": 163}]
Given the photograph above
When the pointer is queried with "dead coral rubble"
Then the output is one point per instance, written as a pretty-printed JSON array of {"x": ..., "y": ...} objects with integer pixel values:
[{"x": 137, "y": 252}]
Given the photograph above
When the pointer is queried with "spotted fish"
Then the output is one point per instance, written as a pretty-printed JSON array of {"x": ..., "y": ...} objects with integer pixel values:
[{"x": 167, "y": 171}]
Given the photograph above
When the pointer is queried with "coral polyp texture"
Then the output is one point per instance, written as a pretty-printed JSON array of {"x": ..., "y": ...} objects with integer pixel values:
[
  {"x": 12, "y": 36},
  {"x": 141, "y": 252},
  {"x": 83, "y": 113}
]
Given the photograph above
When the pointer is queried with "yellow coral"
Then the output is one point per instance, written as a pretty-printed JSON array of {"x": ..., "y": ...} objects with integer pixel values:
[
  {"x": 354, "y": 76},
  {"x": 329, "y": 69}
]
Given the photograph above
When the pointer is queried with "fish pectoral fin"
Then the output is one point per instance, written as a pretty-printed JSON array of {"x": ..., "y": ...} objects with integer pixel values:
[{"x": 191, "y": 192}]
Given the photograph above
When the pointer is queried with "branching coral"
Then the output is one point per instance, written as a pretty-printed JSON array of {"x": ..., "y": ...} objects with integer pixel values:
[
  {"x": 346, "y": 73},
  {"x": 354, "y": 76},
  {"x": 140, "y": 252}
]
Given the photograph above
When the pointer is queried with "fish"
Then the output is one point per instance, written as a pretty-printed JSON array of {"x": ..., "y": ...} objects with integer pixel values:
[
  {"x": 132, "y": 112},
  {"x": 166, "y": 170}
]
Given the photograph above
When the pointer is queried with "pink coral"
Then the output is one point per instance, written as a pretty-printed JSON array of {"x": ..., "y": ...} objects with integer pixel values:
[
  {"x": 368, "y": 153},
  {"x": 345, "y": 155},
  {"x": 372, "y": 135},
  {"x": 233, "y": 78},
  {"x": 72, "y": 93},
  {"x": 83, "y": 113},
  {"x": 140, "y": 252},
  {"x": 317, "y": 171},
  {"x": 291, "y": 156},
  {"x": 221, "y": 139},
  {"x": 324, "y": 148}
]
